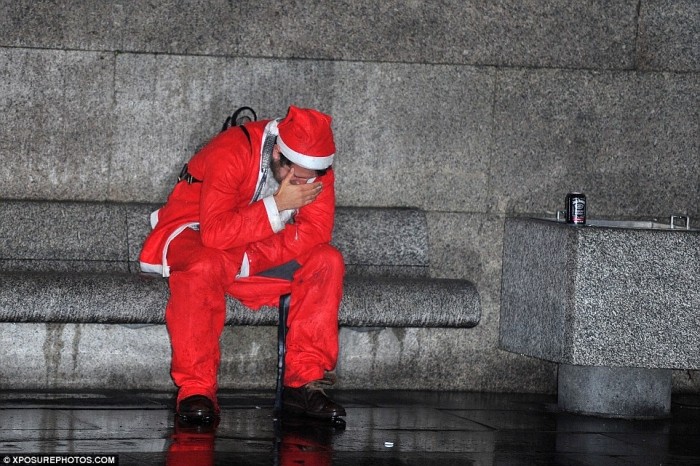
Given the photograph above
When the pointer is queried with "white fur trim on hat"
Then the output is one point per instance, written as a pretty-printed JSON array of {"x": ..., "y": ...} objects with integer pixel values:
[{"x": 306, "y": 161}]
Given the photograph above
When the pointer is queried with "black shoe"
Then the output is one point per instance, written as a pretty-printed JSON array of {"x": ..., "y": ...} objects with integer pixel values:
[
  {"x": 310, "y": 400},
  {"x": 194, "y": 429},
  {"x": 197, "y": 410}
]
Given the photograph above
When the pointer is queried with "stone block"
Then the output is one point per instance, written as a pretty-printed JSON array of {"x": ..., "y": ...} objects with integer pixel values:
[
  {"x": 469, "y": 247},
  {"x": 94, "y": 356},
  {"x": 85, "y": 356},
  {"x": 669, "y": 33},
  {"x": 392, "y": 242},
  {"x": 615, "y": 392},
  {"x": 42, "y": 235},
  {"x": 141, "y": 298},
  {"x": 36, "y": 231},
  {"x": 686, "y": 381},
  {"x": 552, "y": 33},
  {"x": 168, "y": 107},
  {"x": 504, "y": 32},
  {"x": 627, "y": 140},
  {"x": 25, "y": 23},
  {"x": 595, "y": 296},
  {"x": 405, "y": 132},
  {"x": 57, "y": 127},
  {"x": 138, "y": 221}
]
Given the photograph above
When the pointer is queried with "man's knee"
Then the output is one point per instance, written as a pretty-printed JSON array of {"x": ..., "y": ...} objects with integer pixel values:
[
  {"x": 209, "y": 265},
  {"x": 326, "y": 256}
]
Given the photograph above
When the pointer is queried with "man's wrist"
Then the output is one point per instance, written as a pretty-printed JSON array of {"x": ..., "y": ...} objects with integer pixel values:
[{"x": 273, "y": 214}]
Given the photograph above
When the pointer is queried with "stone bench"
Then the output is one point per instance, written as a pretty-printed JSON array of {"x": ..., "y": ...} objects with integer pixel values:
[
  {"x": 616, "y": 305},
  {"x": 69, "y": 267}
]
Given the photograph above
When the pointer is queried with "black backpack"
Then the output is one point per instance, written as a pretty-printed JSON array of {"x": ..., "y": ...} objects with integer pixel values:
[{"x": 241, "y": 116}]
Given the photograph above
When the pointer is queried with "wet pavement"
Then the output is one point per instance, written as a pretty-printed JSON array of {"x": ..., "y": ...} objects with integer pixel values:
[{"x": 383, "y": 428}]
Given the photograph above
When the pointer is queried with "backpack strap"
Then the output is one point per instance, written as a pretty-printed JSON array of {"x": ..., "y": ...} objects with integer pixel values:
[
  {"x": 241, "y": 116},
  {"x": 247, "y": 135},
  {"x": 185, "y": 176}
]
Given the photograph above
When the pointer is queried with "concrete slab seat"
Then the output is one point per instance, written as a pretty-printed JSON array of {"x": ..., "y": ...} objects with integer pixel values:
[
  {"x": 617, "y": 306},
  {"x": 72, "y": 262}
]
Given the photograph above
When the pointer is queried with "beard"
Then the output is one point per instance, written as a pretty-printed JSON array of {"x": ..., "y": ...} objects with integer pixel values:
[{"x": 276, "y": 169}]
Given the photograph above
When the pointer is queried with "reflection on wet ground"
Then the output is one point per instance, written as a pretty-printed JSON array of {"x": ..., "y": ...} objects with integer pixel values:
[{"x": 383, "y": 428}]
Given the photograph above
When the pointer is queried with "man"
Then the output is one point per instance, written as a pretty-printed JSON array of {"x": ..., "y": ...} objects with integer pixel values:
[{"x": 252, "y": 217}]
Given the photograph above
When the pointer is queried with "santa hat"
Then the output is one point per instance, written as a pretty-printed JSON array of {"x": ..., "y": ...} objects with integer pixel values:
[{"x": 305, "y": 138}]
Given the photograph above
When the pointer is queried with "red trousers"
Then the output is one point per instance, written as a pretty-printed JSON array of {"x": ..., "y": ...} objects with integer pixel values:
[{"x": 200, "y": 277}]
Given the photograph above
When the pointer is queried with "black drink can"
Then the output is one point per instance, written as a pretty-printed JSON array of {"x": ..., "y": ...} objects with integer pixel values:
[{"x": 576, "y": 208}]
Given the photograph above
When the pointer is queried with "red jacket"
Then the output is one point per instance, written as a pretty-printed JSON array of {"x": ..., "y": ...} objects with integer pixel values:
[{"x": 220, "y": 206}]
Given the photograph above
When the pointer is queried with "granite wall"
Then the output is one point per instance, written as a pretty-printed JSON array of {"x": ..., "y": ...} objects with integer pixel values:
[{"x": 472, "y": 110}]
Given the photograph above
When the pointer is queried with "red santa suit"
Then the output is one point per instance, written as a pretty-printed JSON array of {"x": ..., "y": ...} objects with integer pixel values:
[{"x": 214, "y": 237}]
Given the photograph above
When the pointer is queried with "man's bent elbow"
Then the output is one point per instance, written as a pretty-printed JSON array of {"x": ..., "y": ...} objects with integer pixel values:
[{"x": 212, "y": 239}]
